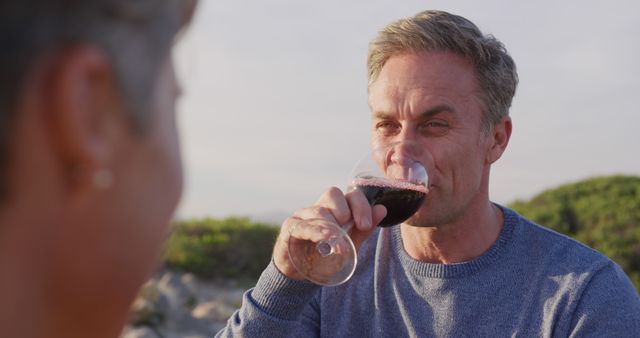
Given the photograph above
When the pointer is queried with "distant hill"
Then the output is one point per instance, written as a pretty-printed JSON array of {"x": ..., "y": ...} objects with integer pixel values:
[{"x": 602, "y": 212}]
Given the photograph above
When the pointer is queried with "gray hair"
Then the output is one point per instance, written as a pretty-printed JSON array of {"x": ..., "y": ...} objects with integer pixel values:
[
  {"x": 135, "y": 35},
  {"x": 441, "y": 31}
]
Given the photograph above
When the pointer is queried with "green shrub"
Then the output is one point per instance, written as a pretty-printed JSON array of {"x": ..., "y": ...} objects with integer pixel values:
[
  {"x": 602, "y": 212},
  {"x": 231, "y": 248}
]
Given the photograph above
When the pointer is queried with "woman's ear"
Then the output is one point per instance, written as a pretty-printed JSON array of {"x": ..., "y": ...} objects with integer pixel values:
[{"x": 82, "y": 108}]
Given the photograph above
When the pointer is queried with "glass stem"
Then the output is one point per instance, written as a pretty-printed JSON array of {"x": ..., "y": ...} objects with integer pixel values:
[{"x": 327, "y": 247}]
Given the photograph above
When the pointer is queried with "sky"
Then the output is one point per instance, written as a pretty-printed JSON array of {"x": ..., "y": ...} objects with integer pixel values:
[{"x": 275, "y": 104}]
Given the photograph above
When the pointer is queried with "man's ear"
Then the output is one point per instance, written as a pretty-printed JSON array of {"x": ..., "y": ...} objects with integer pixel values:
[
  {"x": 499, "y": 138},
  {"x": 80, "y": 105}
]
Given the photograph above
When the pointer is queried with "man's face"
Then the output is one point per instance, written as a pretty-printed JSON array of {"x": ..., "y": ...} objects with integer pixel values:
[{"x": 431, "y": 98}]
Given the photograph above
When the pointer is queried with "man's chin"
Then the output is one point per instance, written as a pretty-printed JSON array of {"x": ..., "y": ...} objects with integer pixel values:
[
  {"x": 430, "y": 218},
  {"x": 420, "y": 222}
]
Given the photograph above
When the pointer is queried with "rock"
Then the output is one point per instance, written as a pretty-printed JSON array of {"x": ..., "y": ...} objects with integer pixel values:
[
  {"x": 143, "y": 312},
  {"x": 190, "y": 283},
  {"x": 139, "y": 332},
  {"x": 179, "y": 293},
  {"x": 213, "y": 310},
  {"x": 182, "y": 320},
  {"x": 151, "y": 307},
  {"x": 173, "y": 305},
  {"x": 186, "y": 335}
]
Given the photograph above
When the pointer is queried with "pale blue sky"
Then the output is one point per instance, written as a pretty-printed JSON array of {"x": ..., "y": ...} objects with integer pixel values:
[{"x": 275, "y": 106}]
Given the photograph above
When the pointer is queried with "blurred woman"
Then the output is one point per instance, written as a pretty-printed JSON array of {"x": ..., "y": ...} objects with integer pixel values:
[{"x": 90, "y": 169}]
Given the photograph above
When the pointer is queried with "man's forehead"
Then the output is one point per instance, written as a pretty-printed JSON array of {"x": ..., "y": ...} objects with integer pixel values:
[
  {"x": 426, "y": 78},
  {"x": 425, "y": 69}
]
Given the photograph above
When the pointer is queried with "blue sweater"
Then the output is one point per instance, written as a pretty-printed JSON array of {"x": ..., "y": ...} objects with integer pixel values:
[{"x": 532, "y": 282}]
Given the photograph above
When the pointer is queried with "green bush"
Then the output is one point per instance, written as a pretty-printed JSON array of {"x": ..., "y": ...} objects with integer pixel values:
[
  {"x": 231, "y": 248},
  {"x": 602, "y": 212}
]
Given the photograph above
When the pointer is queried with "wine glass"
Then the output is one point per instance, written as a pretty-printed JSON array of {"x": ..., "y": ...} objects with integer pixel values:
[{"x": 391, "y": 175}]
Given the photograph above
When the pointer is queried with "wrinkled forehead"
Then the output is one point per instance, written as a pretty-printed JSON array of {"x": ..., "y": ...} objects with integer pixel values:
[{"x": 422, "y": 79}]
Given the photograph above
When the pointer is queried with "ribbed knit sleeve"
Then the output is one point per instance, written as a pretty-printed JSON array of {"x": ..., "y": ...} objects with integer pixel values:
[{"x": 272, "y": 308}]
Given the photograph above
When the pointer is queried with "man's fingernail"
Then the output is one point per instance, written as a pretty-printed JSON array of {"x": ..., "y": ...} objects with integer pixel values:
[{"x": 366, "y": 223}]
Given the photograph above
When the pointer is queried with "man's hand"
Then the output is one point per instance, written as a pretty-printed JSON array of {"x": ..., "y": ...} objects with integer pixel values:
[{"x": 333, "y": 206}]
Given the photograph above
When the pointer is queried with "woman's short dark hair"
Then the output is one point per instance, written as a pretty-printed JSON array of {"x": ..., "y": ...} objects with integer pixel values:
[{"x": 135, "y": 35}]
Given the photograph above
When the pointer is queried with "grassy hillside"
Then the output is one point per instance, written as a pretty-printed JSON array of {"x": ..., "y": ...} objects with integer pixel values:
[{"x": 602, "y": 212}]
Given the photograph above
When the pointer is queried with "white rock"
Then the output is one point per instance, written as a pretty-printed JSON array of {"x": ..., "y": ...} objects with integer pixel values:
[
  {"x": 187, "y": 335},
  {"x": 186, "y": 306},
  {"x": 178, "y": 294},
  {"x": 139, "y": 332},
  {"x": 214, "y": 310}
]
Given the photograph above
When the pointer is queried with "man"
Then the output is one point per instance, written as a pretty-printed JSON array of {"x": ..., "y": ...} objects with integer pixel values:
[
  {"x": 89, "y": 159},
  {"x": 461, "y": 266}
]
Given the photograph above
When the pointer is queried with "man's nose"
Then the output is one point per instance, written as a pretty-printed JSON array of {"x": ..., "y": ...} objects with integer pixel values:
[
  {"x": 404, "y": 162},
  {"x": 402, "y": 153}
]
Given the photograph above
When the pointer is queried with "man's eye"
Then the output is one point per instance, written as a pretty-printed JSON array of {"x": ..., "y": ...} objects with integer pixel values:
[
  {"x": 387, "y": 128},
  {"x": 434, "y": 127}
]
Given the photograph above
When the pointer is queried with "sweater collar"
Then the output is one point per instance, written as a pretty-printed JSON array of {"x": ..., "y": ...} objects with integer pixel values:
[{"x": 462, "y": 269}]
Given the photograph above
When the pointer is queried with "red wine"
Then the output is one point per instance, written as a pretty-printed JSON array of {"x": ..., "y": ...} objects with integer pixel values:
[{"x": 402, "y": 199}]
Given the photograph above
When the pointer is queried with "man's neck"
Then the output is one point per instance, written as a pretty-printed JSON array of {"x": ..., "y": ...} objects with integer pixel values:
[{"x": 462, "y": 240}]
